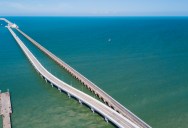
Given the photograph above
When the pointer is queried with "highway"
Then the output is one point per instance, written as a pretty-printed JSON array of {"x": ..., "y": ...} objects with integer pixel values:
[
  {"x": 95, "y": 105},
  {"x": 91, "y": 86},
  {"x": 7, "y": 21}
]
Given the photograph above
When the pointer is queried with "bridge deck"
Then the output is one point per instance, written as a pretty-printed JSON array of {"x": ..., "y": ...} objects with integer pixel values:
[
  {"x": 91, "y": 86},
  {"x": 94, "y": 104},
  {"x": 106, "y": 98},
  {"x": 5, "y": 109}
]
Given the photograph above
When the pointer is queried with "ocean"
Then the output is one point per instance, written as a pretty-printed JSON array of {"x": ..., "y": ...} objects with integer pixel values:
[{"x": 140, "y": 61}]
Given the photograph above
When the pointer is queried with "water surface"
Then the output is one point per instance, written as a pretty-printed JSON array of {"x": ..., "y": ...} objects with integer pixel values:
[{"x": 143, "y": 66}]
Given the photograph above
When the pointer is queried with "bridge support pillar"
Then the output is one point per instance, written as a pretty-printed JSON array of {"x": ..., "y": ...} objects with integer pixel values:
[
  {"x": 106, "y": 119},
  {"x": 46, "y": 80},
  {"x": 69, "y": 95},
  {"x": 59, "y": 89},
  {"x": 52, "y": 85},
  {"x": 92, "y": 110},
  {"x": 80, "y": 102}
]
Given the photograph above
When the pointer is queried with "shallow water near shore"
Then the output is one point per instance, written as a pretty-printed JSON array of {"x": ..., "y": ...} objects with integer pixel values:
[{"x": 140, "y": 61}]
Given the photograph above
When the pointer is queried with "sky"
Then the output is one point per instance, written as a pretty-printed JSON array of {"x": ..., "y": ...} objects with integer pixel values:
[{"x": 93, "y": 7}]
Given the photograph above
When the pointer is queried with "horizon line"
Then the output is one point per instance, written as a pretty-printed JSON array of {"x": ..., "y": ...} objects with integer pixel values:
[{"x": 95, "y": 16}]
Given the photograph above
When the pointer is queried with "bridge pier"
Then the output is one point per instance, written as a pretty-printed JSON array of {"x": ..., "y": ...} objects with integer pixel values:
[
  {"x": 106, "y": 119},
  {"x": 5, "y": 109},
  {"x": 92, "y": 110},
  {"x": 80, "y": 102},
  {"x": 46, "y": 80},
  {"x": 69, "y": 95},
  {"x": 59, "y": 89},
  {"x": 52, "y": 85}
]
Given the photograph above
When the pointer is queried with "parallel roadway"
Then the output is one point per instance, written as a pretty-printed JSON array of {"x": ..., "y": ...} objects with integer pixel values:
[
  {"x": 111, "y": 102},
  {"x": 95, "y": 105}
]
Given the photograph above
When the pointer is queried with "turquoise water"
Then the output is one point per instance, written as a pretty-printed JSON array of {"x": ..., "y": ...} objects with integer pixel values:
[{"x": 144, "y": 67}]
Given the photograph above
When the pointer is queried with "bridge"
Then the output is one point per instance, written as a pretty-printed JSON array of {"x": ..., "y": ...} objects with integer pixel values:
[
  {"x": 13, "y": 25},
  {"x": 91, "y": 86},
  {"x": 95, "y": 105},
  {"x": 125, "y": 119},
  {"x": 7, "y": 21}
]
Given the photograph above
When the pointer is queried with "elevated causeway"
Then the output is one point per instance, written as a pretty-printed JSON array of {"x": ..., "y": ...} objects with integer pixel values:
[
  {"x": 95, "y": 105},
  {"x": 114, "y": 112},
  {"x": 111, "y": 102}
]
